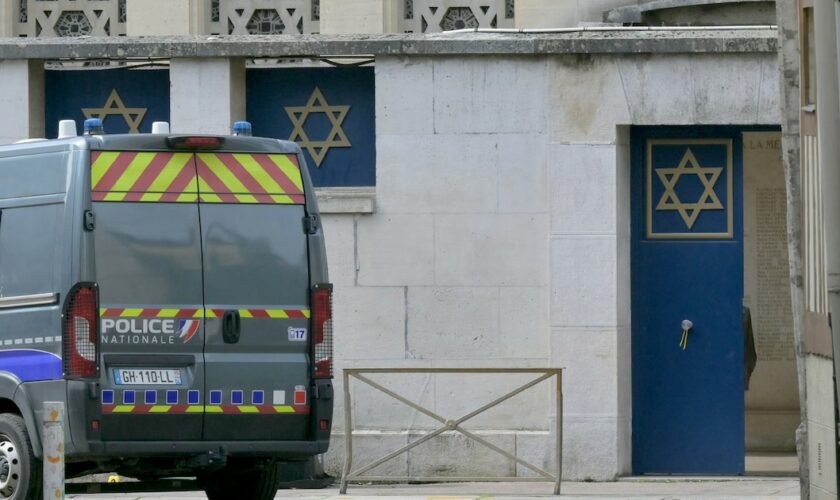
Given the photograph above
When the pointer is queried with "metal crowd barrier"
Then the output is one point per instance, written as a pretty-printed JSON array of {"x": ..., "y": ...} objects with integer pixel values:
[{"x": 449, "y": 425}]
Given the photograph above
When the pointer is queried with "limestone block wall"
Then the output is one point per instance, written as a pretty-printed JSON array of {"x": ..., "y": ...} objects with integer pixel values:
[
  {"x": 360, "y": 16},
  {"x": 452, "y": 269},
  {"x": 563, "y": 13},
  {"x": 22, "y": 97},
  {"x": 501, "y": 238},
  {"x": 820, "y": 418},
  {"x": 201, "y": 84}
]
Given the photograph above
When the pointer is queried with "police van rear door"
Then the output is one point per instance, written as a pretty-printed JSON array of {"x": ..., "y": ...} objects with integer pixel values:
[
  {"x": 148, "y": 266},
  {"x": 256, "y": 293}
]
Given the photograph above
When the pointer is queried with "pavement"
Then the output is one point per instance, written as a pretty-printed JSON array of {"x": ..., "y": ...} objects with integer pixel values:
[{"x": 627, "y": 488}]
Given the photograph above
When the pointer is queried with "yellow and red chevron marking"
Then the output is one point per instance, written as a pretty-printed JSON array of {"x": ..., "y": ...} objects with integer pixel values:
[
  {"x": 200, "y": 409},
  {"x": 165, "y": 177},
  {"x": 143, "y": 177},
  {"x": 139, "y": 312},
  {"x": 262, "y": 313},
  {"x": 110, "y": 312},
  {"x": 249, "y": 178}
]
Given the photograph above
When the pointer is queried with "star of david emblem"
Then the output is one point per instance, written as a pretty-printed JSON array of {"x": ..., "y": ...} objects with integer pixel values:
[
  {"x": 708, "y": 200},
  {"x": 115, "y": 106},
  {"x": 336, "y": 138}
]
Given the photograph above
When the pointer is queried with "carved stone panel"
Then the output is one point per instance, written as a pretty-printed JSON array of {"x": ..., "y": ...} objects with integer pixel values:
[
  {"x": 264, "y": 17},
  {"x": 52, "y": 18},
  {"x": 427, "y": 16}
]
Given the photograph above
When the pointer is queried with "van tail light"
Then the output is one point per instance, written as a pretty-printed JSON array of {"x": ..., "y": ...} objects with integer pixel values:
[
  {"x": 80, "y": 332},
  {"x": 194, "y": 142},
  {"x": 322, "y": 330}
]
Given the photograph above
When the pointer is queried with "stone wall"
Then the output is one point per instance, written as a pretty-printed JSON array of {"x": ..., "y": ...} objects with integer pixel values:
[
  {"x": 772, "y": 401},
  {"x": 501, "y": 230},
  {"x": 501, "y": 238},
  {"x": 563, "y": 13}
]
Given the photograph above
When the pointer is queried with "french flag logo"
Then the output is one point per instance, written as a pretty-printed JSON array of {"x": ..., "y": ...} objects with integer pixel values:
[{"x": 187, "y": 328}]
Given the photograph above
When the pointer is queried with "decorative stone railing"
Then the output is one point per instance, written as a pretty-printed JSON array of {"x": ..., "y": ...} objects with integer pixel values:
[
  {"x": 427, "y": 16},
  {"x": 264, "y": 17},
  {"x": 51, "y": 18}
]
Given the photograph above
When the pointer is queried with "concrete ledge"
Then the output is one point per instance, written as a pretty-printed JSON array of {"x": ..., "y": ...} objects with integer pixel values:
[
  {"x": 633, "y": 13},
  {"x": 453, "y": 43},
  {"x": 349, "y": 200}
]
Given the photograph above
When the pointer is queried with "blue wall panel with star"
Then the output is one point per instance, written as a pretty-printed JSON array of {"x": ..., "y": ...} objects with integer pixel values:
[
  {"x": 127, "y": 99},
  {"x": 329, "y": 111},
  {"x": 690, "y": 188}
]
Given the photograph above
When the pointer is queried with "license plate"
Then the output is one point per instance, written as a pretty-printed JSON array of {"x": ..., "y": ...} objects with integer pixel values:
[{"x": 147, "y": 376}]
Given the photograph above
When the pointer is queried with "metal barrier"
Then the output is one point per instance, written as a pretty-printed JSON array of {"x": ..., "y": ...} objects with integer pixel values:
[{"x": 449, "y": 425}]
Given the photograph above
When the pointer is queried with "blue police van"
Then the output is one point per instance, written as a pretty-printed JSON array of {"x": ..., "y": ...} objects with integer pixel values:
[{"x": 172, "y": 292}]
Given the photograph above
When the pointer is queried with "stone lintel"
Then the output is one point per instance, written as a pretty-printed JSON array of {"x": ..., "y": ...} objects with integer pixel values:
[
  {"x": 346, "y": 200},
  {"x": 663, "y": 41}
]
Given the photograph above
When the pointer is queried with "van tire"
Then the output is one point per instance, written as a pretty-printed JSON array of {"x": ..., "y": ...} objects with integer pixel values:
[
  {"x": 260, "y": 483},
  {"x": 17, "y": 458}
]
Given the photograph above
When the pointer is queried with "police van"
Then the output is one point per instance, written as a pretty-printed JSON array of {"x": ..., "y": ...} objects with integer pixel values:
[{"x": 172, "y": 291}]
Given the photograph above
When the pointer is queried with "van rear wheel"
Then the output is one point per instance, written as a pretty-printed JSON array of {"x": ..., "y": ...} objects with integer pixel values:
[
  {"x": 258, "y": 483},
  {"x": 20, "y": 471}
]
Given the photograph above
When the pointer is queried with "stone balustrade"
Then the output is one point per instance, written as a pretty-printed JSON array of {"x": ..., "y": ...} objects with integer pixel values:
[
  {"x": 428, "y": 16},
  {"x": 66, "y": 18},
  {"x": 264, "y": 17},
  {"x": 52, "y": 18}
]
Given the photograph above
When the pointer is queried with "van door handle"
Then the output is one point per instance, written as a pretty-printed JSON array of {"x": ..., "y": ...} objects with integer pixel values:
[{"x": 231, "y": 326}]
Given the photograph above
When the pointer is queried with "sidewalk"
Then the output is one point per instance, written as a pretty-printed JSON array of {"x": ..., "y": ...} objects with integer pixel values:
[{"x": 630, "y": 488}]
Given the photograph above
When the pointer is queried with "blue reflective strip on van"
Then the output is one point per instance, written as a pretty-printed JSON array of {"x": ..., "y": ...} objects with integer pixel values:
[{"x": 30, "y": 365}]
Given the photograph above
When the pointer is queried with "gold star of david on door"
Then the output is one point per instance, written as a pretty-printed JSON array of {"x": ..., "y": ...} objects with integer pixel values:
[
  {"x": 708, "y": 200},
  {"x": 115, "y": 106},
  {"x": 716, "y": 185},
  {"x": 336, "y": 138}
]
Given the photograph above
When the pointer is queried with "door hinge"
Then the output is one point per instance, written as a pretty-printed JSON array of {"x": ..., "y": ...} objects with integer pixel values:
[
  {"x": 90, "y": 220},
  {"x": 311, "y": 224}
]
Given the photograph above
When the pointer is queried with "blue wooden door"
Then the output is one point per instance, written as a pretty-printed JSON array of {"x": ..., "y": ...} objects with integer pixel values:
[{"x": 687, "y": 264}]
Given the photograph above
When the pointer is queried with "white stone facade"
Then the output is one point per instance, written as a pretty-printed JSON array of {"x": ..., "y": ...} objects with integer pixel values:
[
  {"x": 562, "y": 13},
  {"x": 502, "y": 238},
  {"x": 21, "y": 97},
  {"x": 201, "y": 84}
]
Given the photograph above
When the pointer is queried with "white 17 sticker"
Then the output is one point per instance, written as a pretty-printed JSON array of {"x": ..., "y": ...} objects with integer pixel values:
[{"x": 297, "y": 334}]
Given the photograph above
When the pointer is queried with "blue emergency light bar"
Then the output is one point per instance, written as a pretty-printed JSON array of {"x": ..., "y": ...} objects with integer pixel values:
[
  {"x": 93, "y": 126},
  {"x": 242, "y": 128}
]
